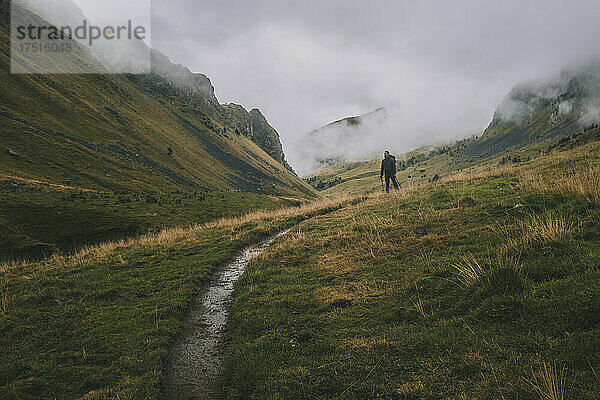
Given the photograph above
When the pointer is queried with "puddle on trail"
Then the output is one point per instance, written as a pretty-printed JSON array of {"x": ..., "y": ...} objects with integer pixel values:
[{"x": 193, "y": 367}]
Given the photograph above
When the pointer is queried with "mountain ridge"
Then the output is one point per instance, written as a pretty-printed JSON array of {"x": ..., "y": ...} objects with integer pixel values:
[
  {"x": 344, "y": 139},
  {"x": 543, "y": 109},
  {"x": 158, "y": 131}
]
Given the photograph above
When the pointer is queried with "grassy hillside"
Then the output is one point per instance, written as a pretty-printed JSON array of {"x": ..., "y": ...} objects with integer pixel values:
[
  {"x": 120, "y": 132},
  {"x": 413, "y": 169},
  {"x": 92, "y": 157},
  {"x": 482, "y": 285},
  {"x": 537, "y": 110},
  {"x": 424, "y": 166},
  {"x": 478, "y": 279},
  {"x": 58, "y": 219},
  {"x": 98, "y": 324}
]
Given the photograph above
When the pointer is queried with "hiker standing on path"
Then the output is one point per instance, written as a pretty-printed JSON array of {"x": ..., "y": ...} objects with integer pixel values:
[{"x": 388, "y": 168}]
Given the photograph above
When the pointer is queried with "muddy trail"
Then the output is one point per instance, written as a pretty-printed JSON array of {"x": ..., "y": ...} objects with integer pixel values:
[{"x": 194, "y": 366}]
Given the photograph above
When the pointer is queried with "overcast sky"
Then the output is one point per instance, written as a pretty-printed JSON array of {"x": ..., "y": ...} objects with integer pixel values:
[{"x": 446, "y": 63}]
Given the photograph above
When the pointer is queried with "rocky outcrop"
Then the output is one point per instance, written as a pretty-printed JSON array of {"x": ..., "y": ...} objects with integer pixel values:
[
  {"x": 252, "y": 125},
  {"x": 255, "y": 127},
  {"x": 182, "y": 77},
  {"x": 542, "y": 109},
  {"x": 175, "y": 84},
  {"x": 266, "y": 137}
]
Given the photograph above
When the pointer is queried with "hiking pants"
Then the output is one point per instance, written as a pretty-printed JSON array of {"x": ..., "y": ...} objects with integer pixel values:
[{"x": 391, "y": 177}]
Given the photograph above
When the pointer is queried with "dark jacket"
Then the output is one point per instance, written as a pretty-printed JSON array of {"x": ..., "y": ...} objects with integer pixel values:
[{"x": 388, "y": 166}]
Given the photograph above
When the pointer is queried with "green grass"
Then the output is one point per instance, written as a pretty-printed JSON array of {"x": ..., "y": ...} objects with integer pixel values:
[
  {"x": 370, "y": 301},
  {"x": 361, "y": 300},
  {"x": 53, "y": 220},
  {"x": 98, "y": 325},
  {"x": 427, "y": 166},
  {"x": 125, "y": 133},
  {"x": 363, "y": 177}
]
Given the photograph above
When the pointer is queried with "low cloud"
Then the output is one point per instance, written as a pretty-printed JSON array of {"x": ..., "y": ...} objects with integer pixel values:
[
  {"x": 447, "y": 65},
  {"x": 575, "y": 90},
  {"x": 117, "y": 54}
]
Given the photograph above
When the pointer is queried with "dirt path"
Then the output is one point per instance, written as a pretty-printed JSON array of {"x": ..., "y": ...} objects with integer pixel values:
[{"x": 194, "y": 366}]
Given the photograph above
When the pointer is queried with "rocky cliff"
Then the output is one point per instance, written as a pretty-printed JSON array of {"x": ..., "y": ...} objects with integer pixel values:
[
  {"x": 543, "y": 109},
  {"x": 167, "y": 77},
  {"x": 255, "y": 127},
  {"x": 161, "y": 131}
]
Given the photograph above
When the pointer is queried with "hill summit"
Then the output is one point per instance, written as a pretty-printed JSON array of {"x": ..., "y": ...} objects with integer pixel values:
[{"x": 543, "y": 109}]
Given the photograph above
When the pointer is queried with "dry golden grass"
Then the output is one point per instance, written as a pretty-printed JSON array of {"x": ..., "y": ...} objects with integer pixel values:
[
  {"x": 4, "y": 296},
  {"x": 570, "y": 171},
  {"x": 405, "y": 192},
  {"x": 368, "y": 344},
  {"x": 281, "y": 213},
  {"x": 7, "y": 176},
  {"x": 568, "y": 176},
  {"x": 468, "y": 271},
  {"x": 410, "y": 389},
  {"x": 419, "y": 307},
  {"x": 170, "y": 236},
  {"x": 122, "y": 391},
  {"x": 355, "y": 292},
  {"x": 478, "y": 172},
  {"x": 340, "y": 262},
  {"x": 548, "y": 228},
  {"x": 549, "y": 382}
]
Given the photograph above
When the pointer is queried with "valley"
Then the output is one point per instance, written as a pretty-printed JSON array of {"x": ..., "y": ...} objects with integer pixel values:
[{"x": 155, "y": 242}]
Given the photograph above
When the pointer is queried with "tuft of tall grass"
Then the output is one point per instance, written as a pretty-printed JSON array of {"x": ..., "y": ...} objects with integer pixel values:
[
  {"x": 548, "y": 228},
  {"x": 4, "y": 299},
  {"x": 549, "y": 382},
  {"x": 568, "y": 176},
  {"x": 468, "y": 271},
  {"x": 420, "y": 306},
  {"x": 502, "y": 276}
]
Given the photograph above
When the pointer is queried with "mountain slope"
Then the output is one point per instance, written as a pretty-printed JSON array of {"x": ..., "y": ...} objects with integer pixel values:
[
  {"x": 347, "y": 139},
  {"x": 157, "y": 132},
  {"x": 534, "y": 117},
  {"x": 539, "y": 110},
  {"x": 452, "y": 290},
  {"x": 86, "y": 158}
]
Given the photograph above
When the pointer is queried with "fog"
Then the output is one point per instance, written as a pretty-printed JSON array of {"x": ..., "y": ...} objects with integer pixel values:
[
  {"x": 364, "y": 138},
  {"x": 444, "y": 65},
  {"x": 582, "y": 79},
  {"x": 115, "y": 56}
]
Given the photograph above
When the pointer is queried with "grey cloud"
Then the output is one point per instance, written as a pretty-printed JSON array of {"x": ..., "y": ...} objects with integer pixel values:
[{"x": 447, "y": 64}]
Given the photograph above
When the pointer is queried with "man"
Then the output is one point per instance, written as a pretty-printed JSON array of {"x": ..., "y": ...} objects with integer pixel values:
[{"x": 388, "y": 167}]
